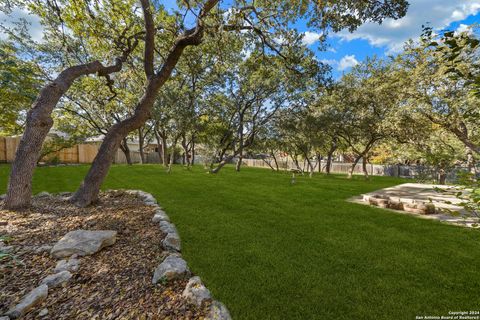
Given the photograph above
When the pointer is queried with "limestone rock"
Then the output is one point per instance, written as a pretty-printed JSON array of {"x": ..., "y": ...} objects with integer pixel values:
[
  {"x": 173, "y": 267},
  {"x": 42, "y": 194},
  {"x": 43, "y": 248},
  {"x": 43, "y": 312},
  {"x": 33, "y": 298},
  {"x": 83, "y": 242},
  {"x": 167, "y": 227},
  {"x": 71, "y": 265},
  {"x": 218, "y": 311},
  {"x": 172, "y": 242},
  {"x": 195, "y": 292},
  {"x": 57, "y": 279},
  {"x": 160, "y": 215}
]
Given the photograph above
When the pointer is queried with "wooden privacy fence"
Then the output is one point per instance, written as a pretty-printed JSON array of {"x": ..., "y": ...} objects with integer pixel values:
[{"x": 80, "y": 153}]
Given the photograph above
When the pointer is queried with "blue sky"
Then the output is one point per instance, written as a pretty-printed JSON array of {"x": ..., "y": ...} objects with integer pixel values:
[{"x": 347, "y": 49}]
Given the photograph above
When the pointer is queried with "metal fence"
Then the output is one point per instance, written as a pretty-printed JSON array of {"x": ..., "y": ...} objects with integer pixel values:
[{"x": 419, "y": 172}]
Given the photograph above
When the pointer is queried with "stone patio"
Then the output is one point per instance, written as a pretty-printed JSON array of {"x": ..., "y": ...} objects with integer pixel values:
[{"x": 418, "y": 193}]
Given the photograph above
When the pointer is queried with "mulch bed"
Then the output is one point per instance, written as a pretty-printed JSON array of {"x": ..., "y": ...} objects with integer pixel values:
[{"x": 115, "y": 283}]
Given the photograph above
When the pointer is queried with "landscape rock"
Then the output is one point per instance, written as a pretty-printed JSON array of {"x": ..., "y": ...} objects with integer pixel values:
[
  {"x": 33, "y": 298},
  {"x": 195, "y": 292},
  {"x": 6, "y": 249},
  {"x": 4, "y": 318},
  {"x": 172, "y": 242},
  {"x": 43, "y": 248},
  {"x": 2, "y": 197},
  {"x": 167, "y": 227},
  {"x": 43, "y": 194},
  {"x": 160, "y": 215},
  {"x": 43, "y": 312},
  {"x": 218, "y": 311},
  {"x": 71, "y": 265},
  {"x": 83, "y": 242},
  {"x": 57, "y": 279},
  {"x": 173, "y": 267},
  {"x": 147, "y": 198}
]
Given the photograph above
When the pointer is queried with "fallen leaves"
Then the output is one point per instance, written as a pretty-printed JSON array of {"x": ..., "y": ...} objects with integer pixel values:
[{"x": 115, "y": 283}]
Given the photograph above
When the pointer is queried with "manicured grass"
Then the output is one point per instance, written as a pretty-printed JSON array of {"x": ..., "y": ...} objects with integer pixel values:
[{"x": 270, "y": 250}]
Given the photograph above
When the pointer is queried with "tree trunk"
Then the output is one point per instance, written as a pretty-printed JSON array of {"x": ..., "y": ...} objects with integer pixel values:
[
  {"x": 193, "y": 151},
  {"x": 472, "y": 168},
  {"x": 442, "y": 176},
  {"x": 364, "y": 167},
  {"x": 352, "y": 169},
  {"x": 172, "y": 156},
  {"x": 88, "y": 191},
  {"x": 141, "y": 142},
  {"x": 332, "y": 149},
  {"x": 239, "y": 162},
  {"x": 90, "y": 187},
  {"x": 126, "y": 151},
  {"x": 39, "y": 122},
  {"x": 222, "y": 164},
  {"x": 275, "y": 160},
  {"x": 310, "y": 166}
]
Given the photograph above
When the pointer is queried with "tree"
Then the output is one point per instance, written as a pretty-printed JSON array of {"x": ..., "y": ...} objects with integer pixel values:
[
  {"x": 364, "y": 104},
  {"x": 15, "y": 73},
  {"x": 263, "y": 20},
  {"x": 437, "y": 76},
  {"x": 54, "y": 18}
]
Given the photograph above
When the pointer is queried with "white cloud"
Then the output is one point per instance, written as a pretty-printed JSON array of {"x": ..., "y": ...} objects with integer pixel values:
[
  {"x": 35, "y": 28},
  {"x": 346, "y": 62},
  {"x": 393, "y": 33},
  {"x": 331, "y": 62},
  {"x": 464, "y": 28},
  {"x": 310, "y": 38}
]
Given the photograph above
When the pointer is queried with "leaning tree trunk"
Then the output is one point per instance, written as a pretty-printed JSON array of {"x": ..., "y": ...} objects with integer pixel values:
[
  {"x": 90, "y": 187},
  {"x": 275, "y": 160},
  {"x": 222, "y": 164},
  {"x": 88, "y": 191},
  {"x": 126, "y": 151},
  {"x": 39, "y": 123},
  {"x": 352, "y": 169}
]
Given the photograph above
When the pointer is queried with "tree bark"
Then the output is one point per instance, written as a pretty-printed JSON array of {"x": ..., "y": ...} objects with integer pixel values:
[
  {"x": 141, "y": 142},
  {"x": 126, "y": 151},
  {"x": 364, "y": 167},
  {"x": 332, "y": 149},
  {"x": 352, "y": 169},
  {"x": 275, "y": 160},
  {"x": 90, "y": 187},
  {"x": 193, "y": 151},
  {"x": 39, "y": 123},
  {"x": 238, "y": 165},
  {"x": 442, "y": 176},
  {"x": 222, "y": 164},
  {"x": 172, "y": 156}
]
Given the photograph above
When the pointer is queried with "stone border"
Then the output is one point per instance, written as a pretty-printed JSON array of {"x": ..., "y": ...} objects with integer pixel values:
[{"x": 172, "y": 267}]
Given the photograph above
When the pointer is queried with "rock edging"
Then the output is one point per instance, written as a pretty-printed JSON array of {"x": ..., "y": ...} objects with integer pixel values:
[{"x": 174, "y": 266}]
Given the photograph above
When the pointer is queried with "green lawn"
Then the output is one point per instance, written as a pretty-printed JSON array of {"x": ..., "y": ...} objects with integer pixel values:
[{"x": 270, "y": 250}]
